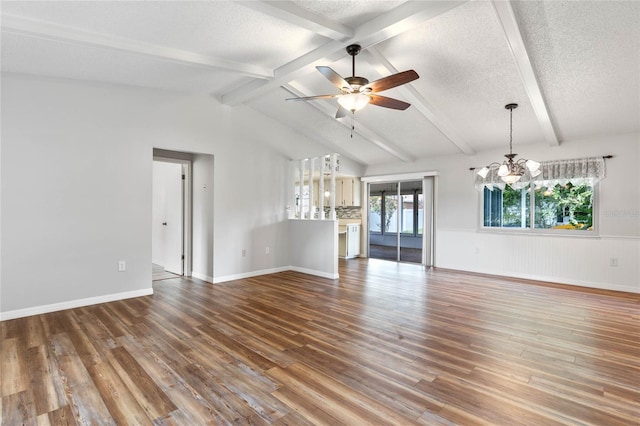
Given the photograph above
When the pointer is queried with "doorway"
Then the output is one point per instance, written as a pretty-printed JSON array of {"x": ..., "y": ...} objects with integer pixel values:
[
  {"x": 400, "y": 218},
  {"x": 169, "y": 218}
]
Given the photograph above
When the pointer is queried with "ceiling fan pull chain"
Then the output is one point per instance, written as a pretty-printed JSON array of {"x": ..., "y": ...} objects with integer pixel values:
[{"x": 353, "y": 122}]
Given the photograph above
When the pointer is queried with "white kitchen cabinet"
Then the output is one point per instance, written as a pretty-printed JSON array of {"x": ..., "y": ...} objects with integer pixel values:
[
  {"x": 348, "y": 192},
  {"x": 349, "y": 241}
]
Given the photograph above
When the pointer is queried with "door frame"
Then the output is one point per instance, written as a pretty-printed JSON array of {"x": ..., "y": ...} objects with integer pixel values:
[
  {"x": 429, "y": 216},
  {"x": 186, "y": 210}
]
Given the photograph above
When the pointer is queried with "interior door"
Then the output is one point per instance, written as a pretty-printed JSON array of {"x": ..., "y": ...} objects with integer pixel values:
[
  {"x": 168, "y": 216},
  {"x": 173, "y": 219}
]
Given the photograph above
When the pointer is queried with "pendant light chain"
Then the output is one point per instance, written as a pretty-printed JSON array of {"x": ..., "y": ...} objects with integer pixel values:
[
  {"x": 511, "y": 131},
  {"x": 511, "y": 171}
]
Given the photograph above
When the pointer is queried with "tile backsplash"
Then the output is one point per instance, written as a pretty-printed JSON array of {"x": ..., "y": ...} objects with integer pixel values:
[{"x": 346, "y": 212}]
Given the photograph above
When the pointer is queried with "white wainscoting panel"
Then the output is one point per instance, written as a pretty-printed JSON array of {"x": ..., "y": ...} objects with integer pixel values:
[{"x": 583, "y": 261}]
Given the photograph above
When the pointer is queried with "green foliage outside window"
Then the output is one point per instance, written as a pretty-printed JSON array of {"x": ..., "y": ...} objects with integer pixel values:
[
  {"x": 558, "y": 207},
  {"x": 564, "y": 207}
]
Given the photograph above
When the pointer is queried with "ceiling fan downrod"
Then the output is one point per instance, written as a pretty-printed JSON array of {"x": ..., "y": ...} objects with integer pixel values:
[{"x": 353, "y": 50}]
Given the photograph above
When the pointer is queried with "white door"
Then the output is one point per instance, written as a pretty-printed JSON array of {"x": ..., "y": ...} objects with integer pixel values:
[
  {"x": 168, "y": 242},
  {"x": 173, "y": 220}
]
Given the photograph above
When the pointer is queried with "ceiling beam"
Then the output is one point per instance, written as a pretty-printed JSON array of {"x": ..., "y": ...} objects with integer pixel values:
[
  {"x": 369, "y": 135},
  {"x": 396, "y": 21},
  {"x": 294, "y": 14},
  {"x": 48, "y": 31},
  {"x": 421, "y": 104},
  {"x": 511, "y": 29}
]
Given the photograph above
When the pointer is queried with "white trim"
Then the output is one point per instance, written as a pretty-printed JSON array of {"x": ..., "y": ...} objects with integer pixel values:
[
  {"x": 620, "y": 237},
  {"x": 518, "y": 49},
  {"x": 553, "y": 280},
  {"x": 225, "y": 278},
  {"x": 202, "y": 277},
  {"x": 439, "y": 120},
  {"x": 399, "y": 177},
  {"x": 541, "y": 234},
  {"x": 37, "y": 310},
  {"x": 187, "y": 206},
  {"x": 314, "y": 272},
  {"x": 49, "y": 31}
]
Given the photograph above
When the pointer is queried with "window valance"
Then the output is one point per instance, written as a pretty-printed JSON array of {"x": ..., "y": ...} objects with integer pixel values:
[{"x": 575, "y": 171}]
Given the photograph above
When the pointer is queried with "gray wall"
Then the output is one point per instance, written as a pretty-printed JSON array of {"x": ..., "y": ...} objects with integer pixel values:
[{"x": 76, "y": 172}]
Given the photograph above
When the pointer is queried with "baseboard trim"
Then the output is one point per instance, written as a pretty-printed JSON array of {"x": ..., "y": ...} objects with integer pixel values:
[
  {"x": 78, "y": 303},
  {"x": 225, "y": 278},
  {"x": 314, "y": 272},
  {"x": 202, "y": 277},
  {"x": 44, "y": 309},
  {"x": 566, "y": 283}
]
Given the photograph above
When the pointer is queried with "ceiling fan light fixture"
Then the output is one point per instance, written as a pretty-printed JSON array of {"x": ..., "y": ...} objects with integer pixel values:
[
  {"x": 353, "y": 101},
  {"x": 357, "y": 92}
]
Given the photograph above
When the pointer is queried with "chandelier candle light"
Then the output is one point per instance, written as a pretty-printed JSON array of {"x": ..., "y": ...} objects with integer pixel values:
[{"x": 511, "y": 171}]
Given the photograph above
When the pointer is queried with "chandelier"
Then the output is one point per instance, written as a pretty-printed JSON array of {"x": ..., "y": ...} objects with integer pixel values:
[{"x": 511, "y": 171}]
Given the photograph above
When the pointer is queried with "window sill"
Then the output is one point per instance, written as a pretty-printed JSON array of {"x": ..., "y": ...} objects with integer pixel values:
[{"x": 541, "y": 232}]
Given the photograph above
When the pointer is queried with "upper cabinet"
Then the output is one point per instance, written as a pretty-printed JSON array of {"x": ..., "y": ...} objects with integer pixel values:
[{"x": 348, "y": 192}]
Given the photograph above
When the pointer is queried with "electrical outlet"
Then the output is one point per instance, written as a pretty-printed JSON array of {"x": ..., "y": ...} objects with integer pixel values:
[
  {"x": 267, "y": 250},
  {"x": 244, "y": 253},
  {"x": 122, "y": 266},
  {"x": 613, "y": 261}
]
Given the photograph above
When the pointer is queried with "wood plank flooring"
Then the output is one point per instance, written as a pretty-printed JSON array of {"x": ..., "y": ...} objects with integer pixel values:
[{"x": 386, "y": 344}]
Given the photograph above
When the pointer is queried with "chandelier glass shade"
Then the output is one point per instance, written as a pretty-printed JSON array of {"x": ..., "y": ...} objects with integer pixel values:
[{"x": 511, "y": 171}]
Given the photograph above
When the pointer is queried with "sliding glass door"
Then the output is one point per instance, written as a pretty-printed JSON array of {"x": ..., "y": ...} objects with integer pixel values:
[{"x": 396, "y": 214}]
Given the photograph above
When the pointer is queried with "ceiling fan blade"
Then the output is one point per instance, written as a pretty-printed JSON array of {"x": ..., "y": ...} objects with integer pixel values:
[
  {"x": 311, "y": 98},
  {"x": 391, "y": 81},
  {"x": 383, "y": 101},
  {"x": 342, "y": 112},
  {"x": 334, "y": 78}
]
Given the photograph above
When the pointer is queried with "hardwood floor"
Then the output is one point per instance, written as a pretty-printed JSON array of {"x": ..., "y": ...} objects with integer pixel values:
[
  {"x": 158, "y": 273},
  {"x": 386, "y": 344}
]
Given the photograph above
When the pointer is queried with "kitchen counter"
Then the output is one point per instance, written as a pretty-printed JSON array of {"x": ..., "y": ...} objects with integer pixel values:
[{"x": 342, "y": 224}]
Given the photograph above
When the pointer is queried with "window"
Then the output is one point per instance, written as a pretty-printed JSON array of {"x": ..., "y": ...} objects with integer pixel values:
[
  {"x": 564, "y": 207},
  {"x": 555, "y": 207},
  {"x": 561, "y": 199},
  {"x": 508, "y": 208}
]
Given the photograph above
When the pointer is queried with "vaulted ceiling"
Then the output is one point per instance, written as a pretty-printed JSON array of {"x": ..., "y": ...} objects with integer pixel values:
[{"x": 572, "y": 66}]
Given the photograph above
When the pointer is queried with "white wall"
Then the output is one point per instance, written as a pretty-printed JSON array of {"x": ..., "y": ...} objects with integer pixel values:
[
  {"x": 570, "y": 260},
  {"x": 202, "y": 214},
  {"x": 76, "y": 188},
  {"x": 314, "y": 247}
]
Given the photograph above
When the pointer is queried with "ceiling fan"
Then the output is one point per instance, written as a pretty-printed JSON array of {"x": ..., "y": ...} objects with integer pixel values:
[{"x": 357, "y": 92}]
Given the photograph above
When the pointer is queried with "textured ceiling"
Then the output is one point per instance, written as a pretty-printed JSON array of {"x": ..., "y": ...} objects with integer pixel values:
[{"x": 573, "y": 66}]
